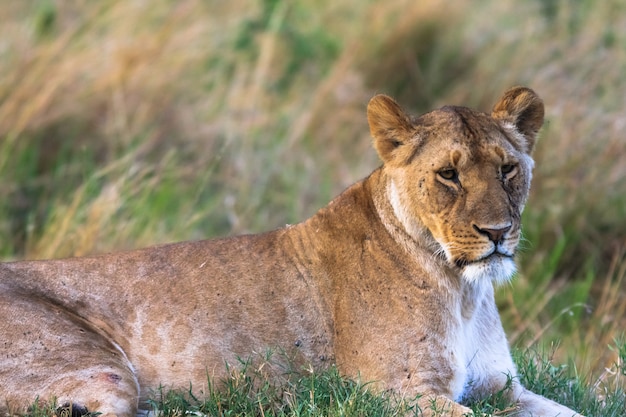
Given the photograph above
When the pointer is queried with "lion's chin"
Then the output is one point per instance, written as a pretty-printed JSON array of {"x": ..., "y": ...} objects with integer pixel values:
[{"x": 496, "y": 268}]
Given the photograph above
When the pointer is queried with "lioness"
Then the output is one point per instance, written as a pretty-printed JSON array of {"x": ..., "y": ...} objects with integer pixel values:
[{"x": 392, "y": 282}]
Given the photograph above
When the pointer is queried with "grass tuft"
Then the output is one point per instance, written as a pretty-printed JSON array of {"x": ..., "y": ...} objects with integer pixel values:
[
  {"x": 251, "y": 391},
  {"x": 603, "y": 396}
]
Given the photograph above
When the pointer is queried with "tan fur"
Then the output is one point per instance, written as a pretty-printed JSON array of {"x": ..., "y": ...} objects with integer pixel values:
[{"x": 392, "y": 282}]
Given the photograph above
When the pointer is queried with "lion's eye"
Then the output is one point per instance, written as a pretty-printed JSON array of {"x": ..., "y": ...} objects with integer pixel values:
[
  {"x": 449, "y": 174},
  {"x": 508, "y": 170}
]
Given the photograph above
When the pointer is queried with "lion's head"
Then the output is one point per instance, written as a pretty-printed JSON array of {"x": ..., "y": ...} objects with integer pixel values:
[{"x": 459, "y": 179}]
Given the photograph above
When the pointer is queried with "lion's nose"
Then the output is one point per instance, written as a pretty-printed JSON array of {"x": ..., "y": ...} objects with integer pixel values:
[{"x": 495, "y": 234}]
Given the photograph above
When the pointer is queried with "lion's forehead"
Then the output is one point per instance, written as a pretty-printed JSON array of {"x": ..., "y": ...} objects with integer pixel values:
[
  {"x": 477, "y": 136},
  {"x": 466, "y": 122}
]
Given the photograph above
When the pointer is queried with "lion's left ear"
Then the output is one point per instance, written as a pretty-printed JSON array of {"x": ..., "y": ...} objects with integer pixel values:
[
  {"x": 522, "y": 108},
  {"x": 391, "y": 129}
]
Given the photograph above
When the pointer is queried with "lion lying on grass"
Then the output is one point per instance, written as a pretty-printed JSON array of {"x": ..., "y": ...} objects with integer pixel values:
[{"x": 392, "y": 282}]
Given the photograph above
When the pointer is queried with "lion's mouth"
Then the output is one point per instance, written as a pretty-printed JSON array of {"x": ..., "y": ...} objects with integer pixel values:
[{"x": 463, "y": 262}]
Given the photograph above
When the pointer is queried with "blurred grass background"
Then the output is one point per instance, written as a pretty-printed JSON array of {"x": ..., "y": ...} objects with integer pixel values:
[{"x": 131, "y": 123}]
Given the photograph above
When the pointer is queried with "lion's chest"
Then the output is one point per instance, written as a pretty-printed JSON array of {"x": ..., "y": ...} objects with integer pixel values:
[
  {"x": 479, "y": 349},
  {"x": 465, "y": 346}
]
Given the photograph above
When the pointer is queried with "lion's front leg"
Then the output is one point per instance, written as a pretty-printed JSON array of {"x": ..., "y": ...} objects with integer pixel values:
[{"x": 535, "y": 405}]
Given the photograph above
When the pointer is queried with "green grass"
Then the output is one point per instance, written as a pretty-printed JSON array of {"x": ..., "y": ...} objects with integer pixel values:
[
  {"x": 266, "y": 387},
  {"x": 304, "y": 392},
  {"x": 125, "y": 124}
]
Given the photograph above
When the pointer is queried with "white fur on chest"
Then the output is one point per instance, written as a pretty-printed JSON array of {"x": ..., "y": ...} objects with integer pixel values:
[{"x": 478, "y": 343}]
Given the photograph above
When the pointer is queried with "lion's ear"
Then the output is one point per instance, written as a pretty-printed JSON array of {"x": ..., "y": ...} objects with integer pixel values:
[
  {"x": 390, "y": 127},
  {"x": 521, "y": 107}
]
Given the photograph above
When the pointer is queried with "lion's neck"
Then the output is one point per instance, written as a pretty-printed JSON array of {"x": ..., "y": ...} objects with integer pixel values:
[{"x": 405, "y": 229}]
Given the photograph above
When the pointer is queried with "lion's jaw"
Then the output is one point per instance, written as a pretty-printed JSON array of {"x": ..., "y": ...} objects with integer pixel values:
[{"x": 496, "y": 267}]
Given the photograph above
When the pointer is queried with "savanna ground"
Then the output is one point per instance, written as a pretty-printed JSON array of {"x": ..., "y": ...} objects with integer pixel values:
[{"x": 131, "y": 123}]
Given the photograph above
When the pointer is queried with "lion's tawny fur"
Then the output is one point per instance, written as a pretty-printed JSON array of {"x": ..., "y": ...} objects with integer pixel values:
[{"x": 392, "y": 282}]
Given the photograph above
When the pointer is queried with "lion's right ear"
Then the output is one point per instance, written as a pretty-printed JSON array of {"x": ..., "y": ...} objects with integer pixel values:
[
  {"x": 390, "y": 127},
  {"x": 523, "y": 109}
]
